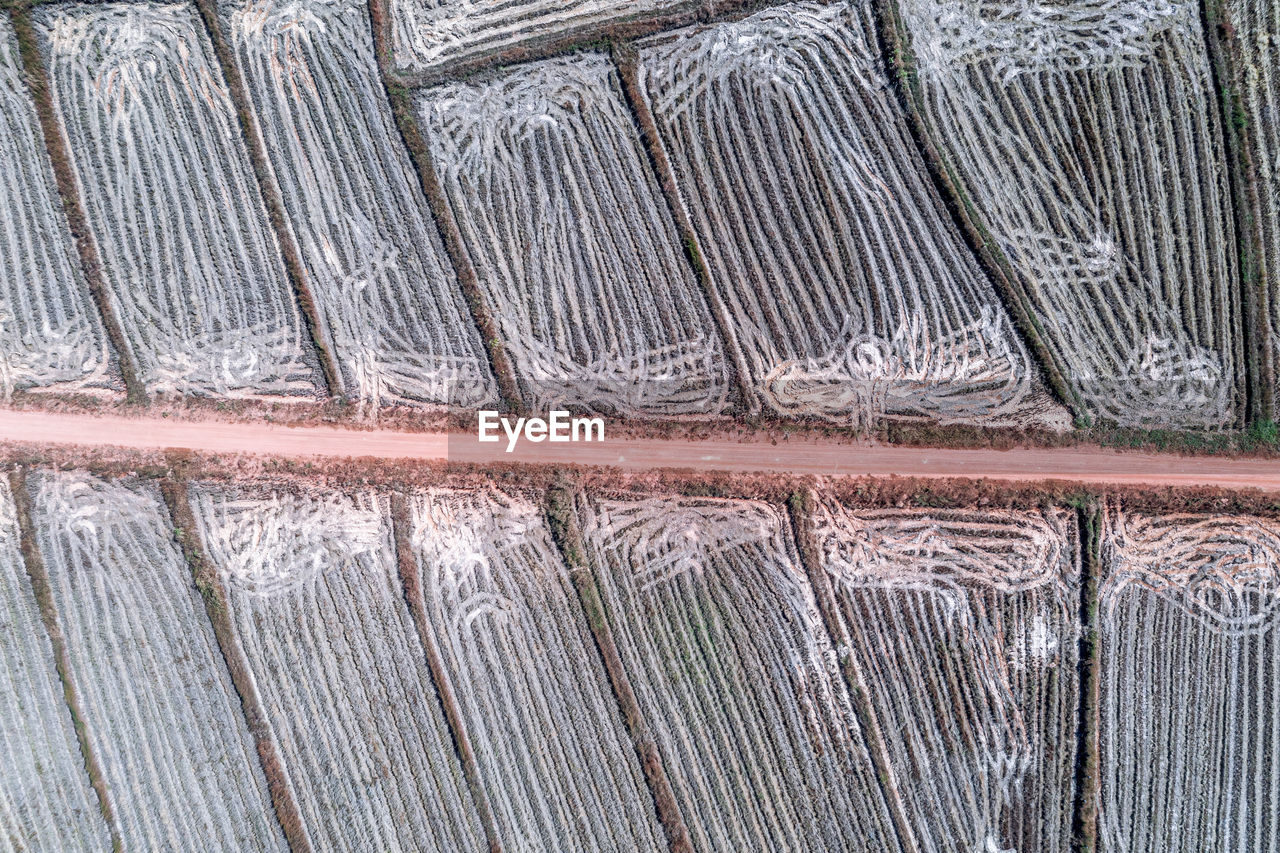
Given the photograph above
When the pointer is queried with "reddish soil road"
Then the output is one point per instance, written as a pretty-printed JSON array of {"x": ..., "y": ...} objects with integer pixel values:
[{"x": 1082, "y": 464}]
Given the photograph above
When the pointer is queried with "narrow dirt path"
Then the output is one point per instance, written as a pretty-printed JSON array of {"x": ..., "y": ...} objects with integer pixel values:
[{"x": 1077, "y": 464}]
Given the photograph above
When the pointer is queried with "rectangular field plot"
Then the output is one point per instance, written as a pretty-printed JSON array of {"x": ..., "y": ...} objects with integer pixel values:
[
  {"x": 194, "y": 271},
  {"x": 963, "y": 626},
  {"x": 735, "y": 677},
  {"x": 430, "y": 33},
  {"x": 50, "y": 335},
  {"x": 1087, "y": 138},
  {"x": 318, "y": 610},
  {"x": 851, "y": 294},
  {"x": 1190, "y": 675},
  {"x": 387, "y": 296},
  {"x": 575, "y": 248},
  {"x": 163, "y": 718},
  {"x": 557, "y": 762},
  {"x": 46, "y": 803},
  {"x": 1256, "y": 25}
]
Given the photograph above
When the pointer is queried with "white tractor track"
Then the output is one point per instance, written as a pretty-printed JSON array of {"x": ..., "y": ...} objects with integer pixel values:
[
  {"x": 850, "y": 294},
  {"x": 941, "y": 604},
  {"x": 159, "y": 706},
  {"x": 529, "y": 682},
  {"x": 1190, "y": 672},
  {"x": 386, "y": 294},
  {"x": 51, "y": 338},
  {"x": 428, "y": 34},
  {"x": 575, "y": 248},
  {"x": 194, "y": 271},
  {"x": 1085, "y": 135},
  {"x": 46, "y": 802},
  {"x": 721, "y": 638},
  {"x": 319, "y": 612}
]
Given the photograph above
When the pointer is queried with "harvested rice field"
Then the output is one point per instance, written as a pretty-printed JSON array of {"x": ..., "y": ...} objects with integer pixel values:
[
  {"x": 462, "y": 668},
  {"x": 46, "y": 802},
  {"x": 1255, "y": 30},
  {"x": 193, "y": 269},
  {"x": 387, "y": 296},
  {"x": 575, "y": 248},
  {"x": 1189, "y": 683},
  {"x": 901, "y": 236},
  {"x": 554, "y": 756},
  {"x": 318, "y": 611},
  {"x": 427, "y": 34},
  {"x": 51, "y": 337},
  {"x": 1086, "y": 137},
  {"x": 963, "y": 631},
  {"x": 720, "y": 636},
  {"x": 851, "y": 294},
  {"x": 159, "y": 708}
]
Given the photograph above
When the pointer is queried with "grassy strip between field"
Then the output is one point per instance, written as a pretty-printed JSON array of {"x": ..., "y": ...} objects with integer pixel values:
[
  {"x": 1261, "y": 439},
  {"x": 411, "y": 583},
  {"x": 401, "y": 100},
  {"x": 48, "y": 615},
  {"x": 624, "y": 60},
  {"x": 1084, "y": 822},
  {"x": 330, "y": 374},
  {"x": 900, "y": 62},
  {"x": 33, "y": 72},
  {"x": 562, "y": 518},
  {"x": 1254, "y": 295},
  {"x": 800, "y": 506},
  {"x": 205, "y": 578}
]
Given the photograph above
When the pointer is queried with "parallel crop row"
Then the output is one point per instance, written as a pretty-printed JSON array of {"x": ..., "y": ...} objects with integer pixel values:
[
  {"x": 720, "y": 635},
  {"x": 574, "y": 246},
  {"x": 1086, "y": 137},
  {"x": 387, "y": 297},
  {"x": 319, "y": 613},
  {"x": 429, "y": 33},
  {"x": 1256, "y": 28},
  {"x": 959, "y": 632},
  {"x": 963, "y": 628},
  {"x": 46, "y": 803},
  {"x": 1190, "y": 680},
  {"x": 554, "y": 758},
  {"x": 162, "y": 716},
  {"x": 194, "y": 272},
  {"x": 850, "y": 292},
  {"x": 50, "y": 334}
]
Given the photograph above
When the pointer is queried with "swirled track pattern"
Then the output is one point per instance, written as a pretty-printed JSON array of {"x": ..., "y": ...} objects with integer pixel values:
[
  {"x": 319, "y": 612},
  {"x": 963, "y": 627},
  {"x": 720, "y": 635},
  {"x": 193, "y": 269},
  {"x": 50, "y": 333},
  {"x": 1086, "y": 136},
  {"x": 387, "y": 296},
  {"x": 46, "y": 804},
  {"x": 851, "y": 294},
  {"x": 574, "y": 246},
  {"x": 162, "y": 715},
  {"x": 557, "y": 762},
  {"x": 1190, "y": 676}
]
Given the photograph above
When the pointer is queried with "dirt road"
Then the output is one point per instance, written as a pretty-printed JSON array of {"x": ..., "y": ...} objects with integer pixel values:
[{"x": 1090, "y": 465}]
